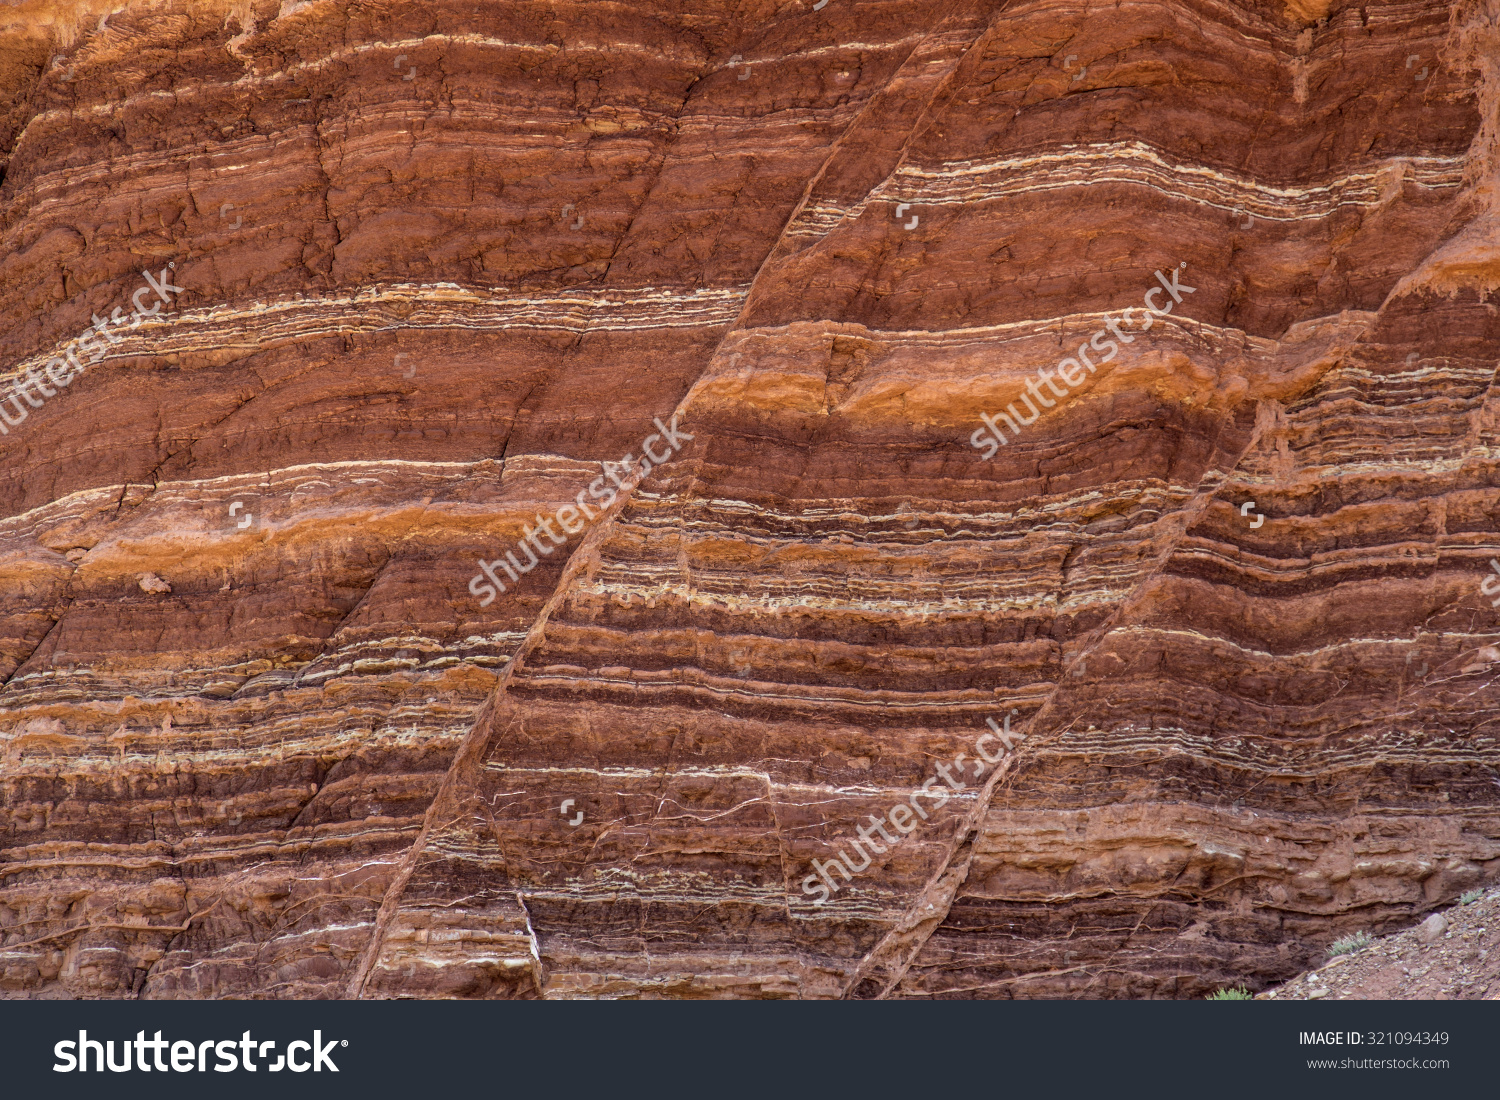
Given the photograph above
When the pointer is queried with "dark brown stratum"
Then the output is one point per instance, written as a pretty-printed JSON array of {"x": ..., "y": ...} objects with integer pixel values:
[{"x": 440, "y": 261}]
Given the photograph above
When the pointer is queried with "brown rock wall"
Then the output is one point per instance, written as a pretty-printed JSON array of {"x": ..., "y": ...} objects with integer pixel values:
[{"x": 316, "y": 766}]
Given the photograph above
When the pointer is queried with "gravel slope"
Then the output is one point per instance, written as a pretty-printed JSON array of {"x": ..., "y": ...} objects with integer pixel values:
[{"x": 1451, "y": 955}]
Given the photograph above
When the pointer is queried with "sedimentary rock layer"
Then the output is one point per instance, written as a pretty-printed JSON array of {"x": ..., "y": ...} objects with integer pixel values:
[{"x": 441, "y": 263}]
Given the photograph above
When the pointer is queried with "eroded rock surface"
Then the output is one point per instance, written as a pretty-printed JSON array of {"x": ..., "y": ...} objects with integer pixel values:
[{"x": 439, "y": 262}]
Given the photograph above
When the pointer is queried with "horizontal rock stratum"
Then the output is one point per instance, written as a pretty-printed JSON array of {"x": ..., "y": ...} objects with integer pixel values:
[{"x": 424, "y": 277}]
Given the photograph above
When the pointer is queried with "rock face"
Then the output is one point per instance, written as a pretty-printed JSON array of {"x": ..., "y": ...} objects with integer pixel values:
[{"x": 421, "y": 270}]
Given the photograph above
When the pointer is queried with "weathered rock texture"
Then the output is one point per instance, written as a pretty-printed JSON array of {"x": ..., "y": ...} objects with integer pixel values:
[{"x": 440, "y": 260}]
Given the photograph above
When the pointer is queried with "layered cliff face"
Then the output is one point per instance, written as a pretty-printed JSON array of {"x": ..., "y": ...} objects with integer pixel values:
[{"x": 443, "y": 266}]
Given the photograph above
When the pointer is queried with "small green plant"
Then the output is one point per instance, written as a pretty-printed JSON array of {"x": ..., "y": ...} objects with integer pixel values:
[
  {"x": 1470, "y": 897},
  {"x": 1239, "y": 993},
  {"x": 1350, "y": 944}
]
